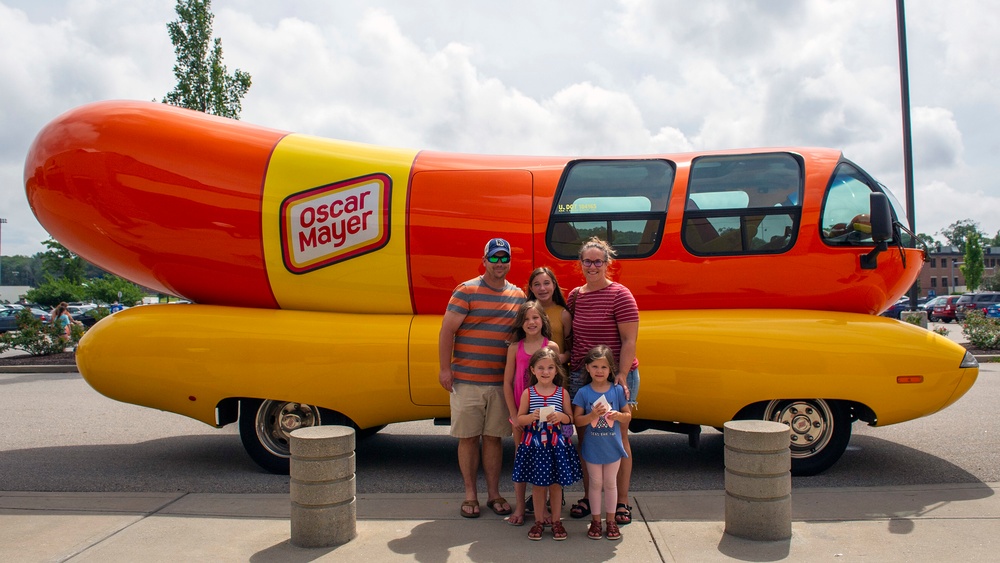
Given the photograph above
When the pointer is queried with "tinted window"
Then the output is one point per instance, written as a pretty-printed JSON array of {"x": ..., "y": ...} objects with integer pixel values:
[
  {"x": 745, "y": 204},
  {"x": 621, "y": 201}
]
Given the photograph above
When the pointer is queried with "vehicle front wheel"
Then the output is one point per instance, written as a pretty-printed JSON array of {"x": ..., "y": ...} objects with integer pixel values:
[
  {"x": 266, "y": 427},
  {"x": 820, "y": 431},
  {"x": 932, "y": 318}
]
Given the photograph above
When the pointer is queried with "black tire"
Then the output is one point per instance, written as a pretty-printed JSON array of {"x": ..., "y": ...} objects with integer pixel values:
[
  {"x": 820, "y": 431},
  {"x": 932, "y": 318},
  {"x": 265, "y": 427}
]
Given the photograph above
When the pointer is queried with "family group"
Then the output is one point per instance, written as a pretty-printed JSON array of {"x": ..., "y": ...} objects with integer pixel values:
[{"x": 541, "y": 366}]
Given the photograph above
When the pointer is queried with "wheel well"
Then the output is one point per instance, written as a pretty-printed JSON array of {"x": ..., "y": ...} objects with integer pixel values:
[{"x": 855, "y": 410}]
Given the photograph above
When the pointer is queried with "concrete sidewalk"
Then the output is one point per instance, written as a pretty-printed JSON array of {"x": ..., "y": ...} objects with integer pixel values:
[{"x": 926, "y": 523}]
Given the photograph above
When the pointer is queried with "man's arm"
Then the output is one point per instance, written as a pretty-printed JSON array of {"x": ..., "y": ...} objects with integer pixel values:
[{"x": 446, "y": 345}]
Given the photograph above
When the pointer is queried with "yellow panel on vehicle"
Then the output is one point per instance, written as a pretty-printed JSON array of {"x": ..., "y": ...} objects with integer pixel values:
[{"x": 333, "y": 220}]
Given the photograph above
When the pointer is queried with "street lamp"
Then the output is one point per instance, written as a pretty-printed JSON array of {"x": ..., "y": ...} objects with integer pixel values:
[
  {"x": 2, "y": 223},
  {"x": 952, "y": 280}
]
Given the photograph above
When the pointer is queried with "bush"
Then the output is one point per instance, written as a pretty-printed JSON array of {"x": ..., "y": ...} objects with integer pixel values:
[
  {"x": 983, "y": 332},
  {"x": 37, "y": 338}
]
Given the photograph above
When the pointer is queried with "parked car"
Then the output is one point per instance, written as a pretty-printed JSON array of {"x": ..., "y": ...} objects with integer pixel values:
[
  {"x": 903, "y": 305},
  {"x": 979, "y": 301},
  {"x": 943, "y": 311},
  {"x": 8, "y": 318},
  {"x": 90, "y": 316},
  {"x": 993, "y": 311},
  {"x": 896, "y": 308}
]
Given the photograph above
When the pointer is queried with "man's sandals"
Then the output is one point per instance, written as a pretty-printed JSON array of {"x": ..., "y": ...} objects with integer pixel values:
[
  {"x": 497, "y": 505},
  {"x": 580, "y": 509},
  {"x": 473, "y": 506},
  {"x": 623, "y": 514}
]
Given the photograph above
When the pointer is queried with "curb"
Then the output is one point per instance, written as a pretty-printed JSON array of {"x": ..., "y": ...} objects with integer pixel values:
[{"x": 65, "y": 368}]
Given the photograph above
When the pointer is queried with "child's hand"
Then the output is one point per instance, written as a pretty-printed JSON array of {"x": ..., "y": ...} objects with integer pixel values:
[
  {"x": 553, "y": 418},
  {"x": 613, "y": 415},
  {"x": 602, "y": 409}
]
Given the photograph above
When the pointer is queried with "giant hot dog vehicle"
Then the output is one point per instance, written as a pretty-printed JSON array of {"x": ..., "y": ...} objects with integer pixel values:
[{"x": 320, "y": 270}]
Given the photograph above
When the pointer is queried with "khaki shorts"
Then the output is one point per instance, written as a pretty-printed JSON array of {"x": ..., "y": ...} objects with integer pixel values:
[{"x": 479, "y": 410}]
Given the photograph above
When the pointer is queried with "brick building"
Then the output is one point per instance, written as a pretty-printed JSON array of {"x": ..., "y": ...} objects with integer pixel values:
[{"x": 942, "y": 273}]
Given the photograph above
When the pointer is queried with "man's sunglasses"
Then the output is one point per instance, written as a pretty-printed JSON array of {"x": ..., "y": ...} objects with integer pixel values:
[{"x": 500, "y": 259}]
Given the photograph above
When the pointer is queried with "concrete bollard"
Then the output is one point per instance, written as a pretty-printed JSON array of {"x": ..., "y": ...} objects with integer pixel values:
[
  {"x": 758, "y": 480},
  {"x": 322, "y": 486}
]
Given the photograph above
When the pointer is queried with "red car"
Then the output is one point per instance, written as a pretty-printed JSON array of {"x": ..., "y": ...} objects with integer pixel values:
[{"x": 944, "y": 312}]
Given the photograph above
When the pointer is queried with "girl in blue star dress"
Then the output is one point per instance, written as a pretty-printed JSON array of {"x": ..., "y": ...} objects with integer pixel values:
[
  {"x": 546, "y": 458},
  {"x": 599, "y": 407}
]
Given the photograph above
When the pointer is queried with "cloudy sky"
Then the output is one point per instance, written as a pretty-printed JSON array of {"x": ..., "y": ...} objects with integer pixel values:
[{"x": 559, "y": 77}]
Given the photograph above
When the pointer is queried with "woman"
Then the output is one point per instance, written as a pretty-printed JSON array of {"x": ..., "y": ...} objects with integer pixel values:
[
  {"x": 605, "y": 312},
  {"x": 60, "y": 317}
]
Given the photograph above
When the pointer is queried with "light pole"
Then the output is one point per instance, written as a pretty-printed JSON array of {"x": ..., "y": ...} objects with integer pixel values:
[
  {"x": 2, "y": 223},
  {"x": 952, "y": 281}
]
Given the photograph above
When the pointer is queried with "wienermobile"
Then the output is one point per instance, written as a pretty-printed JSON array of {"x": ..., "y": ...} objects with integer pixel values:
[{"x": 321, "y": 270}]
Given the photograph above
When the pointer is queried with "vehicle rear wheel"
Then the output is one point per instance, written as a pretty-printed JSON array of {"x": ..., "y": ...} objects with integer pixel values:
[
  {"x": 266, "y": 427},
  {"x": 820, "y": 431},
  {"x": 932, "y": 318}
]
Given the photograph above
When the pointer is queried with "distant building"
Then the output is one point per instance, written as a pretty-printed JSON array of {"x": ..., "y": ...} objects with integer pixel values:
[
  {"x": 942, "y": 273},
  {"x": 12, "y": 293}
]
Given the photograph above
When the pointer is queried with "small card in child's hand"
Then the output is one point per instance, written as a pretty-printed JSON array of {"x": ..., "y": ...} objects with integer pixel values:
[
  {"x": 602, "y": 400},
  {"x": 544, "y": 412}
]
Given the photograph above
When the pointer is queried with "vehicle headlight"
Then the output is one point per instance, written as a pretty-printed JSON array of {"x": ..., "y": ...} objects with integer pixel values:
[{"x": 969, "y": 361}]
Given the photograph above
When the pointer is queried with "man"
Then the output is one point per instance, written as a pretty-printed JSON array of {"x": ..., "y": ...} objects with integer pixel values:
[{"x": 472, "y": 350}]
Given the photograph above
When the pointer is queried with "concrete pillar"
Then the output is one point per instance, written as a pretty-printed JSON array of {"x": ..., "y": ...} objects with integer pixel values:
[
  {"x": 322, "y": 487},
  {"x": 918, "y": 318},
  {"x": 758, "y": 480}
]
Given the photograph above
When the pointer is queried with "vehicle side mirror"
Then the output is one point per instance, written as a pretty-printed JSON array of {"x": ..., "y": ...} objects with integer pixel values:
[{"x": 881, "y": 221}]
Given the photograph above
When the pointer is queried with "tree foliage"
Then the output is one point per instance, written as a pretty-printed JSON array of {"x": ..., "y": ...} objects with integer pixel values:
[
  {"x": 973, "y": 267},
  {"x": 107, "y": 289},
  {"x": 203, "y": 82},
  {"x": 958, "y": 232},
  {"x": 59, "y": 263}
]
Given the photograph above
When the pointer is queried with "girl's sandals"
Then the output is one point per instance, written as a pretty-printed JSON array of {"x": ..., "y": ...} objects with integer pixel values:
[
  {"x": 613, "y": 532},
  {"x": 535, "y": 533},
  {"x": 623, "y": 514},
  {"x": 581, "y": 508},
  {"x": 558, "y": 531},
  {"x": 594, "y": 532}
]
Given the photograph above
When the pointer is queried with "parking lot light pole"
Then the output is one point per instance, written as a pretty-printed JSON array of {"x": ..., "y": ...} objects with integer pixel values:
[
  {"x": 954, "y": 283},
  {"x": 2, "y": 223}
]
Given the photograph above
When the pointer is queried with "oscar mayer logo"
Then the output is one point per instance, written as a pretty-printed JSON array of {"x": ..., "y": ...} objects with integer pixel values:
[{"x": 336, "y": 222}]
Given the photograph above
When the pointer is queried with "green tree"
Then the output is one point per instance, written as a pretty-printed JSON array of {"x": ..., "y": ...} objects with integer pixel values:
[
  {"x": 58, "y": 263},
  {"x": 973, "y": 267},
  {"x": 926, "y": 240},
  {"x": 55, "y": 291},
  {"x": 958, "y": 232},
  {"x": 107, "y": 288},
  {"x": 991, "y": 282},
  {"x": 203, "y": 82}
]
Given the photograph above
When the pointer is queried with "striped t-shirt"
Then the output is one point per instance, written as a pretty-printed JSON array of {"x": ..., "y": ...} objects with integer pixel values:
[
  {"x": 596, "y": 315},
  {"x": 480, "y": 351}
]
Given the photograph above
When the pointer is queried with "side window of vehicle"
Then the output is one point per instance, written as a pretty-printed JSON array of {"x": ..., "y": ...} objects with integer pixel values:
[
  {"x": 743, "y": 204},
  {"x": 622, "y": 201},
  {"x": 845, "y": 218}
]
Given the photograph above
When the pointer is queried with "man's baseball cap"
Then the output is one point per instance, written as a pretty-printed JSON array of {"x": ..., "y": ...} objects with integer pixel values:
[{"x": 497, "y": 245}]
